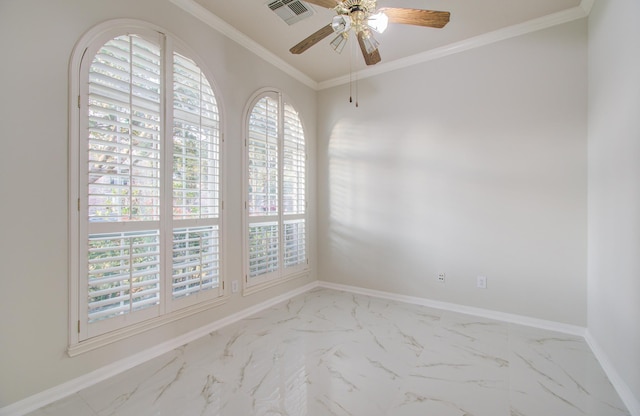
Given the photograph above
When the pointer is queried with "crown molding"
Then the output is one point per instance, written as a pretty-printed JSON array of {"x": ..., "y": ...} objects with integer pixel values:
[
  {"x": 586, "y": 6},
  {"x": 488, "y": 38},
  {"x": 544, "y": 22},
  {"x": 201, "y": 13}
]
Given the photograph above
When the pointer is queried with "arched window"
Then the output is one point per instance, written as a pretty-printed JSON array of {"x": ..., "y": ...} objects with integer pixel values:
[
  {"x": 145, "y": 169},
  {"x": 276, "y": 211}
]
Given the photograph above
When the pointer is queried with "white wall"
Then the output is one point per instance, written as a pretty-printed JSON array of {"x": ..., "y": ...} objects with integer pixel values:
[
  {"x": 614, "y": 187},
  {"x": 474, "y": 164},
  {"x": 36, "y": 40}
]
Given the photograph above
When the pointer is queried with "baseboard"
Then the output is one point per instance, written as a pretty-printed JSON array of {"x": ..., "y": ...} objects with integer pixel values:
[
  {"x": 469, "y": 310},
  {"x": 625, "y": 393},
  {"x": 87, "y": 380}
]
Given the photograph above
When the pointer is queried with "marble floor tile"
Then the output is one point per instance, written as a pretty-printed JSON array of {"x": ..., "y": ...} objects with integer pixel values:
[
  {"x": 464, "y": 370},
  {"x": 557, "y": 372},
  {"x": 72, "y": 405},
  {"x": 328, "y": 352}
]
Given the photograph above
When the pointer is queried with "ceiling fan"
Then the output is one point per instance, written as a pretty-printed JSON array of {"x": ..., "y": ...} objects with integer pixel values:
[{"x": 362, "y": 17}]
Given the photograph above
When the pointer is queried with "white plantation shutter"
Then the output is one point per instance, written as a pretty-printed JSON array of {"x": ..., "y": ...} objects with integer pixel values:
[
  {"x": 294, "y": 180},
  {"x": 123, "y": 273},
  {"x": 196, "y": 263},
  {"x": 295, "y": 236},
  {"x": 123, "y": 179},
  {"x": 276, "y": 191},
  {"x": 294, "y": 163},
  {"x": 196, "y": 181},
  {"x": 263, "y": 151},
  {"x": 124, "y": 131},
  {"x": 263, "y": 204},
  {"x": 150, "y": 224}
]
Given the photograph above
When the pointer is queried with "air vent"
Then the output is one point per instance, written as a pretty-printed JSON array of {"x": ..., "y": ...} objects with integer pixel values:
[{"x": 291, "y": 11}]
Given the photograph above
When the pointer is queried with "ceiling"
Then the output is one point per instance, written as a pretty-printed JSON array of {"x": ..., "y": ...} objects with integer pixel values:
[{"x": 470, "y": 20}]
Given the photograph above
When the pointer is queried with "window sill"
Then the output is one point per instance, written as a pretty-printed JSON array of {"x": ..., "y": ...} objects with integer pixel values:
[
  {"x": 246, "y": 291},
  {"x": 120, "y": 334}
]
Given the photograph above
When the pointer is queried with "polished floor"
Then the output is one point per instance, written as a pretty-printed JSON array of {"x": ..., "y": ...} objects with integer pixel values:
[{"x": 327, "y": 352}]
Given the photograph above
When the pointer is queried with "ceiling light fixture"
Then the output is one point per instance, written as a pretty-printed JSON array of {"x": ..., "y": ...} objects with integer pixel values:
[
  {"x": 341, "y": 23},
  {"x": 357, "y": 16},
  {"x": 370, "y": 43},
  {"x": 338, "y": 43},
  {"x": 378, "y": 22},
  {"x": 363, "y": 16}
]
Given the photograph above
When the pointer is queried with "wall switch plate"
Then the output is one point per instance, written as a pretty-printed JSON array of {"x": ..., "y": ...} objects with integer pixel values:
[
  {"x": 441, "y": 277},
  {"x": 481, "y": 282},
  {"x": 234, "y": 286}
]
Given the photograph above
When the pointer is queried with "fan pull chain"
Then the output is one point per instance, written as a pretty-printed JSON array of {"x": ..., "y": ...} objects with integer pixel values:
[
  {"x": 356, "y": 89},
  {"x": 351, "y": 75},
  {"x": 350, "y": 71},
  {"x": 350, "y": 82}
]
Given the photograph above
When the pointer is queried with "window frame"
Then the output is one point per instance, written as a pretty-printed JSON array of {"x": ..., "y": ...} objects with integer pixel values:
[
  {"x": 283, "y": 274},
  {"x": 169, "y": 310}
]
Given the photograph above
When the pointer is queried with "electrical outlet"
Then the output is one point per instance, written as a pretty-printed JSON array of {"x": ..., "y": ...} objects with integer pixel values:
[
  {"x": 481, "y": 282},
  {"x": 234, "y": 286},
  {"x": 441, "y": 277}
]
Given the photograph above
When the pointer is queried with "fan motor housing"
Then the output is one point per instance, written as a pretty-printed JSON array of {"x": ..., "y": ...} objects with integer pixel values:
[{"x": 351, "y": 6}]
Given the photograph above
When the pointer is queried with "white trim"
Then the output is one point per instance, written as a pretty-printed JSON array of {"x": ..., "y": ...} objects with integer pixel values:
[
  {"x": 586, "y": 6},
  {"x": 145, "y": 325},
  {"x": 627, "y": 396},
  {"x": 469, "y": 310},
  {"x": 266, "y": 284},
  {"x": 488, "y": 38},
  {"x": 87, "y": 380},
  {"x": 554, "y": 19},
  {"x": 203, "y": 14}
]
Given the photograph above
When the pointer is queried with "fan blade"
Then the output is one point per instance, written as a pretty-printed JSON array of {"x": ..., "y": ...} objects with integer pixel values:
[
  {"x": 329, "y": 4},
  {"x": 418, "y": 17},
  {"x": 370, "y": 58},
  {"x": 312, "y": 40}
]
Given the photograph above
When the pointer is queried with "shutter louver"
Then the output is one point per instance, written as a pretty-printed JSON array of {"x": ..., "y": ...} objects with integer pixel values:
[
  {"x": 195, "y": 260},
  {"x": 294, "y": 243},
  {"x": 124, "y": 132},
  {"x": 263, "y": 249},
  {"x": 195, "y": 143},
  {"x": 123, "y": 183},
  {"x": 294, "y": 163},
  {"x": 263, "y": 158},
  {"x": 196, "y": 181},
  {"x": 294, "y": 193},
  {"x": 263, "y": 204},
  {"x": 123, "y": 273}
]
